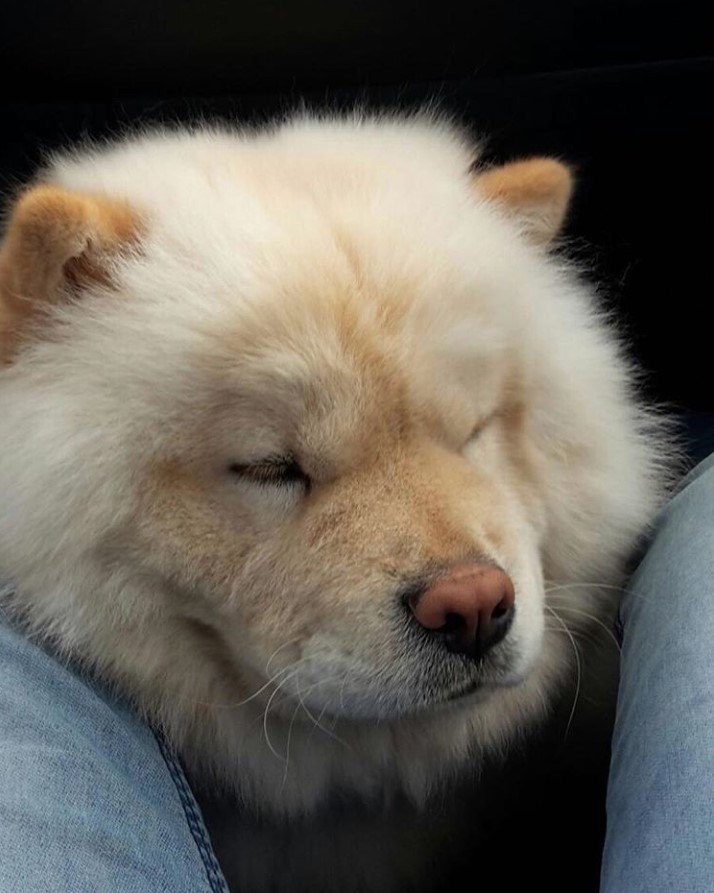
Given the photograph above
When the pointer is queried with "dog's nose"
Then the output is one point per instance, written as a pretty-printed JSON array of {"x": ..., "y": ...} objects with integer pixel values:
[{"x": 471, "y": 608}]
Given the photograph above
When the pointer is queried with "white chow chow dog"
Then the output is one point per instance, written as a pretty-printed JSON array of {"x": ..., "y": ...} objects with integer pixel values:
[{"x": 298, "y": 427}]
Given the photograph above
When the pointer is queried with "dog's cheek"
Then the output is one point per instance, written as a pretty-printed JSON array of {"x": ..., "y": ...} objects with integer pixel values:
[
  {"x": 188, "y": 537},
  {"x": 518, "y": 463}
]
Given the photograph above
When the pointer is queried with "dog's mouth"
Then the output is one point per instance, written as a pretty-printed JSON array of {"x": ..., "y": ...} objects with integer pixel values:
[
  {"x": 467, "y": 690},
  {"x": 494, "y": 672},
  {"x": 355, "y": 703},
  {"x": 473, "y": 691},
  {"x": 333, "y": 682}
]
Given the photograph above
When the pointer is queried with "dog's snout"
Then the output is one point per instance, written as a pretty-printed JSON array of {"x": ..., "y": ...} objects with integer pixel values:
[{"x": 471, "y": 608}]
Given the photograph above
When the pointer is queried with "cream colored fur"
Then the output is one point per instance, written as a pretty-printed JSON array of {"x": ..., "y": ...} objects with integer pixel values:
[{"x": 349, "y": 292}]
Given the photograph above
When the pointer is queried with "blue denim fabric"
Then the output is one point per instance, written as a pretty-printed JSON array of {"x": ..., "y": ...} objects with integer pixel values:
[
  {"x": 90, "y": 800},
  {"x": 660, "y": 807}
]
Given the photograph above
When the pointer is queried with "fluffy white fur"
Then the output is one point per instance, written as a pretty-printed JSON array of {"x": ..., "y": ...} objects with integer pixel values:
[{"x": 341, "y": 289}]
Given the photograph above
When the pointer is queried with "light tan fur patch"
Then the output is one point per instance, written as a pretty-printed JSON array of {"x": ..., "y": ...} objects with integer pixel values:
[
  {"x": 56, "y": 240},
  {"x": 537, "y": 191}
]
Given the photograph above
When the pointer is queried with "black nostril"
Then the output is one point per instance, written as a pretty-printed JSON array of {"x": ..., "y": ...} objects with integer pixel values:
[
  {"x": 492, "y": 630},
  {"x": 455, "y": 633},
  {"x": 455, "y": 623}
]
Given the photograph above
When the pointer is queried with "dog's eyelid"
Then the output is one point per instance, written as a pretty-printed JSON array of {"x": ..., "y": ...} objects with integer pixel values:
[
  {"x": 276, "y": 470},
  {"x": 481, "y": 426}
]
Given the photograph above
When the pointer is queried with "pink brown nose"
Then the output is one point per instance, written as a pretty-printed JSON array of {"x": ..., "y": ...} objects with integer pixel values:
[{"x": 471, "y": 608}]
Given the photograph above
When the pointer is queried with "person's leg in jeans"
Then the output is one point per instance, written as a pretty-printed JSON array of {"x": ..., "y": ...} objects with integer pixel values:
[
  {"x": 660, "y": 807},
  {"x": 90, "y": 801}
]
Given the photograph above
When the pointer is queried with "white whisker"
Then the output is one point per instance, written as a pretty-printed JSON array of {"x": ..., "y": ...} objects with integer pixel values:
[
  {"x": 277, "y": 652},
  {"x": 558, "y": 586},
  {"x": 287, "y": 747},
  {"x": 594, "y": 619},
  {"x": 265, "y": 717},
  {"x": 328, "y": 732},
  {"x": 577, "y": 664},
  {"x": 232, "y": 705}
]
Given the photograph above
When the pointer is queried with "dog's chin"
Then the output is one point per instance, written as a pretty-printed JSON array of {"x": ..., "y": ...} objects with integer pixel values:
[
  {"x": 361, "y": 707},
  {"x": 474, "y": 693},
  {"x": 467, "y": 696},
  {"x": 503, "y": 669}
]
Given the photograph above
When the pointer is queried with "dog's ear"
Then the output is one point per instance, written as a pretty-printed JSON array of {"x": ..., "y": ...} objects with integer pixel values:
[
  {"x": 535, "y": 191},
  {"x": 56, "y": 243}
]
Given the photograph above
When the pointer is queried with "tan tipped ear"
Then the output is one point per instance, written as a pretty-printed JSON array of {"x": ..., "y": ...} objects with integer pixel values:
[
  {"x": 536, "y": 191},
  {"x": 55, "y": 243}
]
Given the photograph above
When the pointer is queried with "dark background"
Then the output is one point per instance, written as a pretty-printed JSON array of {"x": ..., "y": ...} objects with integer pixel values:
[{"x": 620, "y": 88}]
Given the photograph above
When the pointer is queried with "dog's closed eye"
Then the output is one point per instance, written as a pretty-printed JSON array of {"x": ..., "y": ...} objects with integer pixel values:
[
  {"x": 480, "y": 427},
  {"x": 278, "y": 471}
]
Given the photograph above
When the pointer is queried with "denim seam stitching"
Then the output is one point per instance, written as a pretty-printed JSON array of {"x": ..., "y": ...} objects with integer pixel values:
[{"x": 214, "y": 875}]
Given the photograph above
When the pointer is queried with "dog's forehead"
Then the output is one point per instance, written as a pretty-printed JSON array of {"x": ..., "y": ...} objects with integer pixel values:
[
  {"x": 323, "y": 310},
  {"x": 333, "y": 372}
]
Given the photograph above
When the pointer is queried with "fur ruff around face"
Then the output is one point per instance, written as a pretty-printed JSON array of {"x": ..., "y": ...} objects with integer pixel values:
[{"x": 257, "y": 385}]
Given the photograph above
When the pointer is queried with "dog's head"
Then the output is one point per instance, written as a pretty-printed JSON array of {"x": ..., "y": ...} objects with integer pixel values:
[{"x": 298, "y": 407}]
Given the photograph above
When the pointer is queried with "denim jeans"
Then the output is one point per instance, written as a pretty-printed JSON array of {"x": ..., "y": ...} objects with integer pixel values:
[
  {"x": 660, "y": 804},
  {"x": 91, "y": 801}
]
